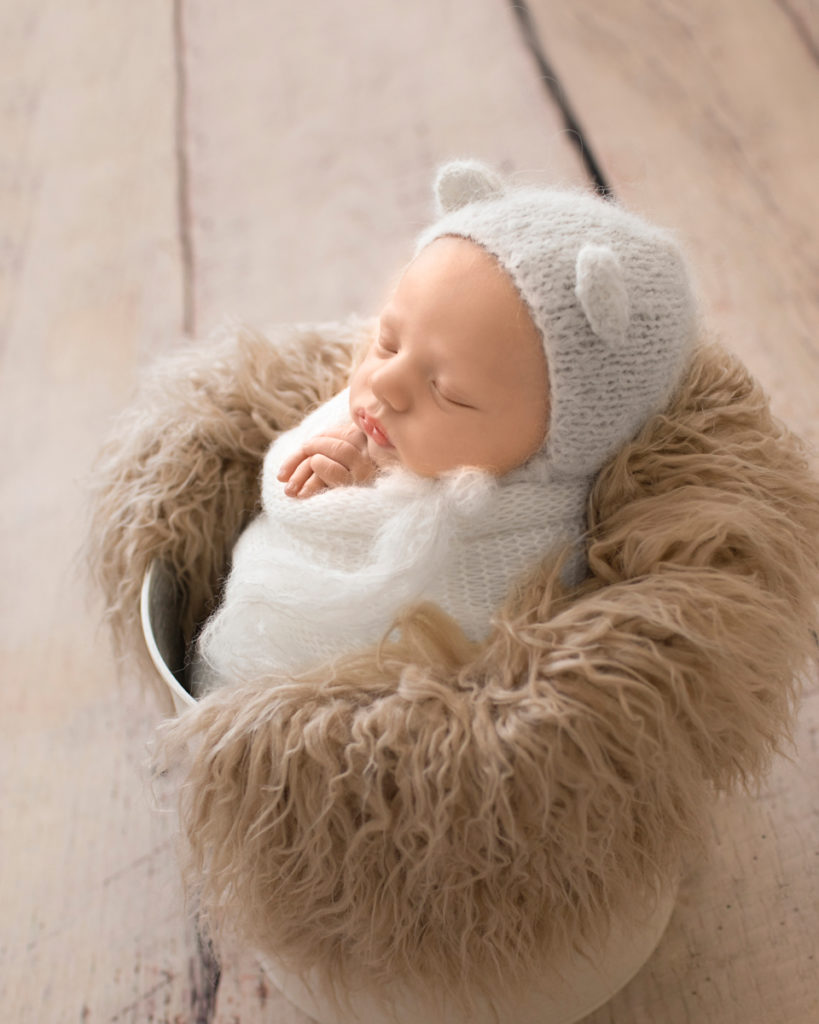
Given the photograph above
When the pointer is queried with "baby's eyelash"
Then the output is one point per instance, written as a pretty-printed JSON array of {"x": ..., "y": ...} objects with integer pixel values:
[{"x": 446, "y": 398}]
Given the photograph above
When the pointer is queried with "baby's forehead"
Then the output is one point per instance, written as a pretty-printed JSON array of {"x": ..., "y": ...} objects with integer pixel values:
[{"x": 452, "y": 260}]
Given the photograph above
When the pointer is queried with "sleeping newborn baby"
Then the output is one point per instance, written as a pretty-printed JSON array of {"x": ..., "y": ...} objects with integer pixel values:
[{"x": 532, "y": 335}]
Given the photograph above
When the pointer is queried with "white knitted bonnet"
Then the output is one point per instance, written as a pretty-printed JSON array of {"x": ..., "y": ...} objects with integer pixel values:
[{"x": 608, "y": 292}]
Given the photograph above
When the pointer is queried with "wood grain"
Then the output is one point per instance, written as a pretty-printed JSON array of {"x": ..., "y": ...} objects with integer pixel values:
[
  {"x": 805, "y": 17},
  {"x": 706, "y": 116},
  {"x": 91, "y": 925},
  {"x": 314, "y": 133},
  {"x": 162, "y": 164}
]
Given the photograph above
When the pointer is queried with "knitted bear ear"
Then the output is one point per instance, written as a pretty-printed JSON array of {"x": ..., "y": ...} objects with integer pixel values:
[
  {"x": 601, "y": 290},
  {"x": 465, "y": 181}
]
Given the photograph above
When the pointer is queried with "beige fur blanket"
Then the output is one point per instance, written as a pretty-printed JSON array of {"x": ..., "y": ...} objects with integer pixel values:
[{"x": 437, "y": 810}]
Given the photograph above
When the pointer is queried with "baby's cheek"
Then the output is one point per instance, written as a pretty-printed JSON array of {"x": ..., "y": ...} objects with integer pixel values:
[{"x": 431, "y": 460}]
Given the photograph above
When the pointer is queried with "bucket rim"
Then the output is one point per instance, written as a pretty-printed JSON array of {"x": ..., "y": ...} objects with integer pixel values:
[{"x": 177, "y": 691}]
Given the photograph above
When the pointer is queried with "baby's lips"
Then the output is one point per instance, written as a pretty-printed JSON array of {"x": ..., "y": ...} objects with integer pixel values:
[{"x": 372, "y": 428}]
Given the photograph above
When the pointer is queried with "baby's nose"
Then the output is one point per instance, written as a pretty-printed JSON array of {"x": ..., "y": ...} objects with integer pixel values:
[{"x": 390, "y": 386}]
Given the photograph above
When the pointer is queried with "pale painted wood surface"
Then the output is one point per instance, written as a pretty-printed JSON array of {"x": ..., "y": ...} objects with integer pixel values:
[
  {"x": 164, "y": 164},
  {"x": 157, "y": 172},
  {"x": 313, "y": 132},
  {"x": 706, "y": 116},
  {"x": 89, "y": 910}
]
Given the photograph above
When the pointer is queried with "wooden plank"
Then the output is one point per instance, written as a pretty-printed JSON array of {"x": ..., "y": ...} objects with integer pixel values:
[
  {"x": 705, "y": 116},
  {"x": 124, "y": 216},
  {"x": 805, "y": 17},
  {"x": 91, "y": 925},
  {"x": 310, "y": 168},
  {"x": 314, "y": 131}
]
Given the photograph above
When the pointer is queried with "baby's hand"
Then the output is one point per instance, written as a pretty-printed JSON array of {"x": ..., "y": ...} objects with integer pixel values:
[{"x": 335, "y": 458}]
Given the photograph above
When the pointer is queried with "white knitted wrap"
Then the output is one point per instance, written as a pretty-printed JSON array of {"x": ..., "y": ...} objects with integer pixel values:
[
  {"x": 609, "y": 293},
  {"x": 313, "y": 579}
]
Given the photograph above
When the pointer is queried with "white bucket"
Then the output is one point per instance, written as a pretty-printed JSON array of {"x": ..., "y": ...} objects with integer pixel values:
[{"x": 565, "y": 991}]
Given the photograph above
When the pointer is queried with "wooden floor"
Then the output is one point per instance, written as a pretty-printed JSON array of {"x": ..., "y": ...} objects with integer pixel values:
[{"x": 165, "y": 163}]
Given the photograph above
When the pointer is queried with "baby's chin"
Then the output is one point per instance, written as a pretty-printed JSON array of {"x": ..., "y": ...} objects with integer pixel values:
[
  {"x": 388, "y": 458},
  {"x": 381, "y": 457}
]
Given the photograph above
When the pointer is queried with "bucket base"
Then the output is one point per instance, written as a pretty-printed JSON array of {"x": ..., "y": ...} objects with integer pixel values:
[{"x": 567, "y": 990}]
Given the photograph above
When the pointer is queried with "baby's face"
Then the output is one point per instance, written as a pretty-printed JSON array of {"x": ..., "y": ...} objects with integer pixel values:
[{"x": 456, "y": 375}]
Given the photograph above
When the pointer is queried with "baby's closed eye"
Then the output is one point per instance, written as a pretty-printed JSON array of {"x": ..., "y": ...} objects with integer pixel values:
[{"x": 446, "y": 395}]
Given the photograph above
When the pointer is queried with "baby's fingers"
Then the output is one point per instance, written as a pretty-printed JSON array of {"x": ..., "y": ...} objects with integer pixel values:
[
  {"x": 351, "y": 463},
  {"x": 330, "y": 472},
  {"x": 313, "y": 486},
  {"x": 290, "y": 463},
  {"x": 298, "y": 478}
]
